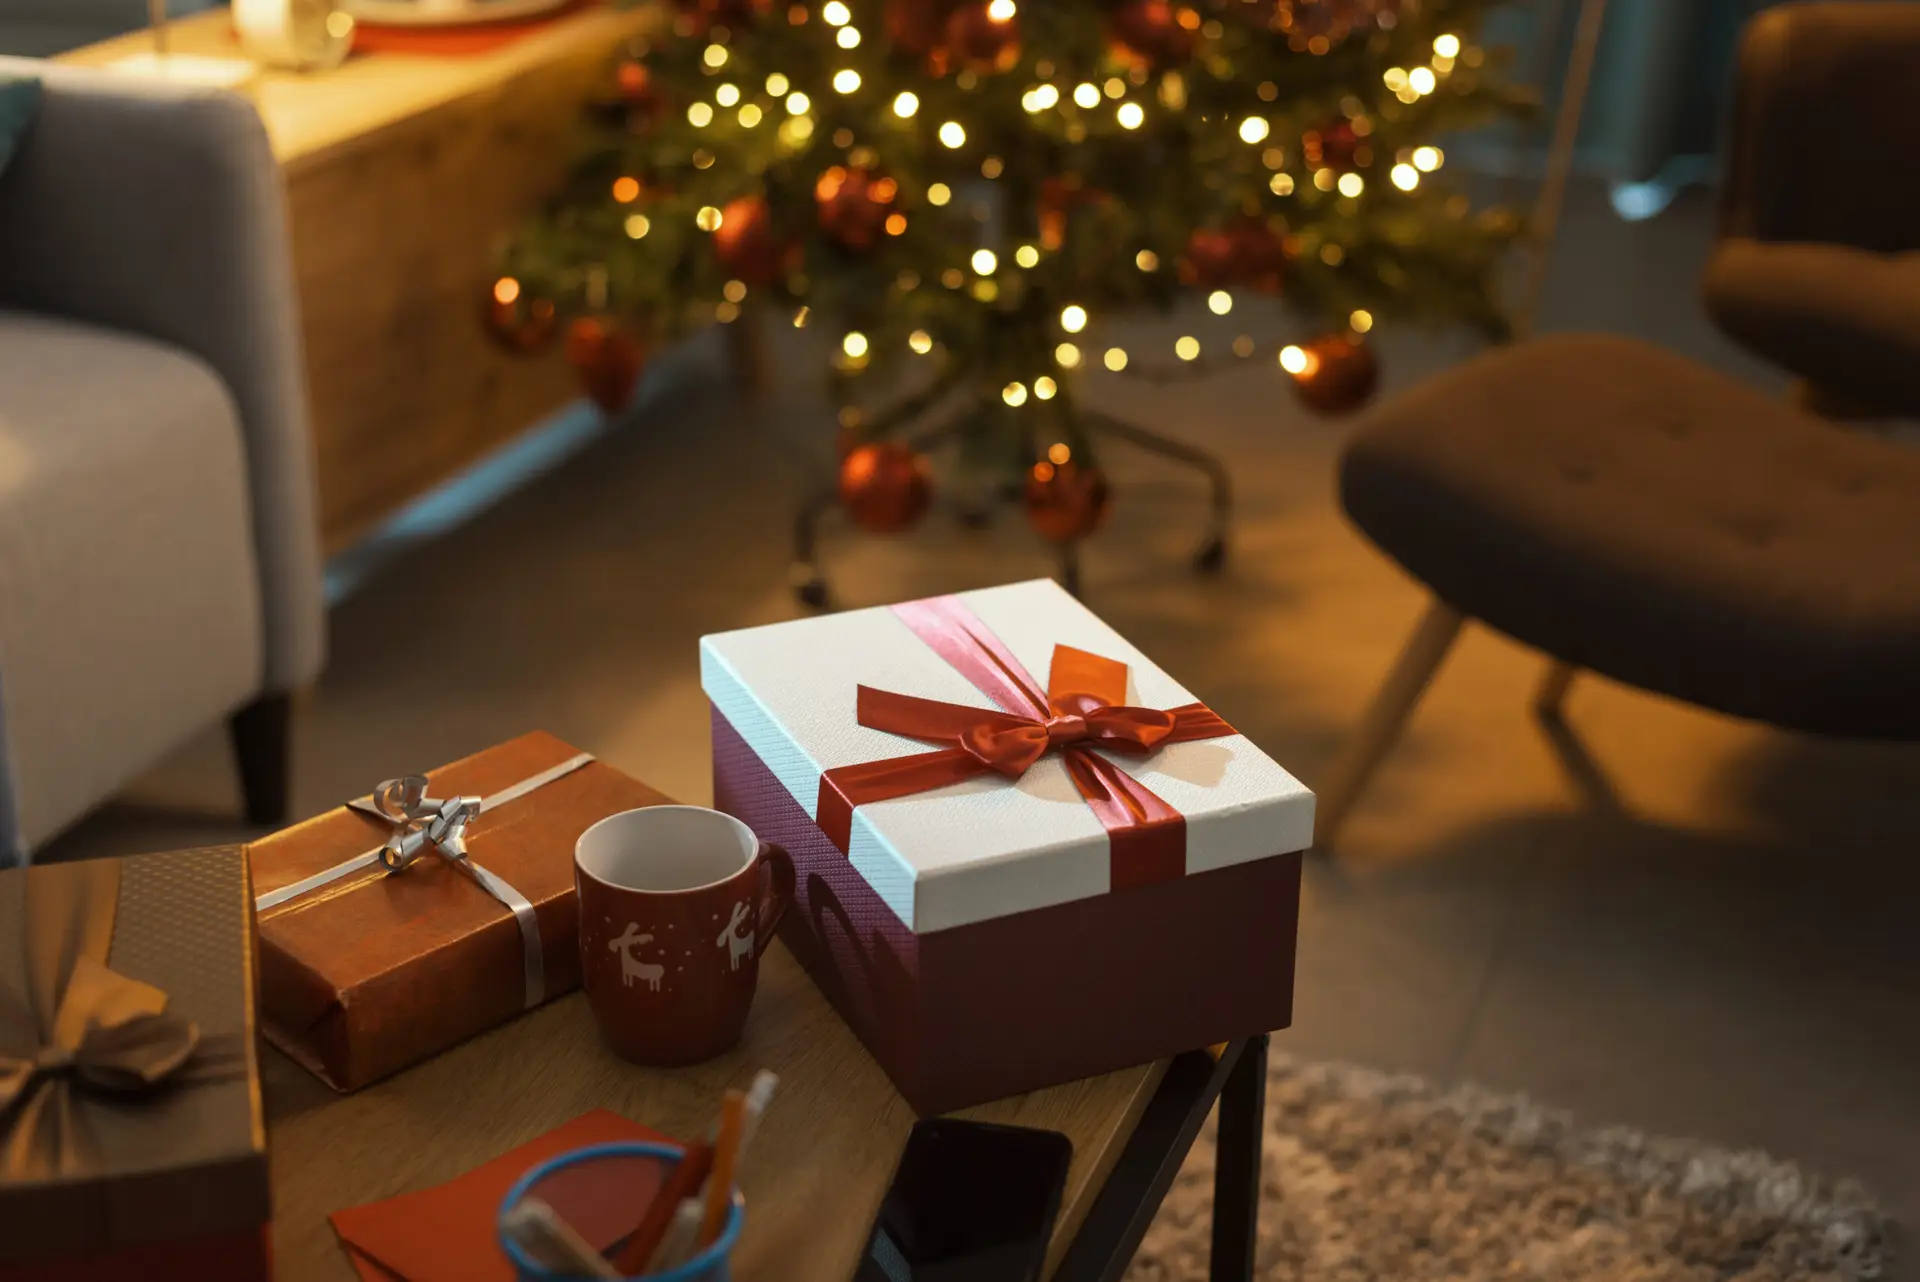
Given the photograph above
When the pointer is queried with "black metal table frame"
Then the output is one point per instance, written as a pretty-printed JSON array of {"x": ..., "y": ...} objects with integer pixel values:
[{"x": 1127, "y": 1202}]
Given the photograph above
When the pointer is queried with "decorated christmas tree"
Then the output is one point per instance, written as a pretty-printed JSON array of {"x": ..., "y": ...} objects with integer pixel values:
[{"x": 959, "y": 191}]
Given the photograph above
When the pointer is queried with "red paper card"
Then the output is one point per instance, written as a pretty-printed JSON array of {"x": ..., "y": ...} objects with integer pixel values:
[{"x": 447, "y": 1233}]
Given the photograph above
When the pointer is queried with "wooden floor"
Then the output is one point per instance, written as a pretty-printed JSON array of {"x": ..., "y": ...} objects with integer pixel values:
[{"x": 1684, "y": 923}]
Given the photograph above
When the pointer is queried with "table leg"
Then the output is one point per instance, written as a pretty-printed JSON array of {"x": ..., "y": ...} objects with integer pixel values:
[
  {"x": 1119, "y": 1217},
  {"x": 1236, "y": 1171}
]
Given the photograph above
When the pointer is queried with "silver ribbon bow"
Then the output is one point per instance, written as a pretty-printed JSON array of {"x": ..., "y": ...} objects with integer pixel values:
[
  {"x": 420, "y": 821},
  {"x": 423, "y": 823}
]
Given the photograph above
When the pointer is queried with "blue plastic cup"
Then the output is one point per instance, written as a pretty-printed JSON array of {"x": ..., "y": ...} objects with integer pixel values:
[{"x": 601, "y": 1192}]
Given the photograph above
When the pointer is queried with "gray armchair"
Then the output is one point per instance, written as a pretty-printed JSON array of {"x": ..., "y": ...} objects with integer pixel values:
[{"x": 159, "y": 561}]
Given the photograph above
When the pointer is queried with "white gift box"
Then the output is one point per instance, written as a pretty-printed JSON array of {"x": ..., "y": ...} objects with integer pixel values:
[{"x": 961, "y": 875}]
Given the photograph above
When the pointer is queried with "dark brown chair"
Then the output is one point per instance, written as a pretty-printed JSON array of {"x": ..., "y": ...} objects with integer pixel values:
[{"x": 1633, "y": 513}]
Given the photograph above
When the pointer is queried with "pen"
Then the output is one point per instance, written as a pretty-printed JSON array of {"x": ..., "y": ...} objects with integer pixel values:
[
  {"x": 679, "y": 1244},
  {"x": 552, "y": 1241}
]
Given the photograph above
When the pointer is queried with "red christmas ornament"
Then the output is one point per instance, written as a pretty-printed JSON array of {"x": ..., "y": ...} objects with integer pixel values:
[
  {"x": 745, "y": 243},
  {"x": 1155, "y": 33},
  {"x": 1327, "y": 21},
  {"x": 515, "y": 322},
  {"x": 1337, "y": 375},
  {"x": 1066, "y": 501},
  {"x": 916, "y": 26},
  {"x": 854, "y": 205},
  {"x": 1059, "y": 197},
  {"x": 982, "y": 42},
  {"x": 701, "y": 16},
  {"x": 607, "y": 359},
  {"x": 885, "y": 486},
  {"x": 1245, "y": 252},
  {"x": 1335, "y": 145}
]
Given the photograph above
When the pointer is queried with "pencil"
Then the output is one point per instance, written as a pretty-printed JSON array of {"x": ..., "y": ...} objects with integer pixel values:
[
  {"x": 682, "y": 1182},
  {"x": 726, "y": 1150}
]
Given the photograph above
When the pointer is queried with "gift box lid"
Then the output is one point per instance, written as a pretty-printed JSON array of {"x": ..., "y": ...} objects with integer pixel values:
[
  {"x": 90, "y": 1167},
  {"x": 989, "y": 846}
]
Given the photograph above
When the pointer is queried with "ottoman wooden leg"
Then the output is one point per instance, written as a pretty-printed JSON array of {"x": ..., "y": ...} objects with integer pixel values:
[
  {"x": 1550, "y": 700},
  {"x": 1381, "y": 726}
]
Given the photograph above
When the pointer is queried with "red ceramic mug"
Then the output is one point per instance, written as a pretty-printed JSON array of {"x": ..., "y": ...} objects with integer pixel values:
[{"x": 677, "y": 903}]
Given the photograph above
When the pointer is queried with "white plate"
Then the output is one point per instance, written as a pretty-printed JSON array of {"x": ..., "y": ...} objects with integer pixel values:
[{"x": 446, "y": 13}]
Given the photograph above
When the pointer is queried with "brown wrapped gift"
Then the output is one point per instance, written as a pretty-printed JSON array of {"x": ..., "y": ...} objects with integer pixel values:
[
  {"x": 366, "y": 975},
  {"x": 132, "y": 1143}
]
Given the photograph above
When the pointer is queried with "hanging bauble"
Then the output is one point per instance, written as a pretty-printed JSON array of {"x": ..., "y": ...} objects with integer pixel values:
[
  {"x": 1328, "y": 22},
  {"x": 745, "y": 243},
  {"x": 885, "y": 486},
  {"x": 700, "y": 16},
  {"x": 916, "y": 26},
  {"x": 981, "y": 41},
  {"x": 1335, "y": 145},
  {"x": 1154, "y": 33},
  {"x": 1059, "y": 198},
  {"x": 1246, "y": 252},
  {"x": 607, "y": 359},
  {"x": 516, "y": 322},
  {"x": 1066, "y": 501},
  {"x": 1337, "y": 373},
  {"x": 854, "y": 205}
]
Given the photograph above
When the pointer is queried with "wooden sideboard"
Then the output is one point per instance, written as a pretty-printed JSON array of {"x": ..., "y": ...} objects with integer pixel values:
[{"x": 402, "y": 171}]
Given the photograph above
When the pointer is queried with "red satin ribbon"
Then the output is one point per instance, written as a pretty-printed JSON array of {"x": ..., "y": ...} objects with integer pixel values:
[{"x": 1082, "y": 708}]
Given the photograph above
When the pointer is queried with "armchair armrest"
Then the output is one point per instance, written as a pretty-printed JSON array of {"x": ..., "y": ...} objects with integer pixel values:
[
  {"x": 158, "y": 209},
  {"x": 1825, "y": 100}
]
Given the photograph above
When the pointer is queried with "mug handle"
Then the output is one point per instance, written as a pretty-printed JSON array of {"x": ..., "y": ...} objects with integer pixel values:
[{"x": 778, "y": 865}]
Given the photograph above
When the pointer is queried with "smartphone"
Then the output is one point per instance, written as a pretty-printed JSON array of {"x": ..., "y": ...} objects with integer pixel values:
[{"x": 969, "y": 1202}]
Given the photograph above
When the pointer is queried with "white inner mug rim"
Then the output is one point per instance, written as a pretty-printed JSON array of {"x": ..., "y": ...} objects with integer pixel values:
[{"x": 665, "y": 849}]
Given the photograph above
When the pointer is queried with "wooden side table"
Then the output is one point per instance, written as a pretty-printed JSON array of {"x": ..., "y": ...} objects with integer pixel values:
[
  {"x": 401, "y": 172},
  {"x": 821, "y": 1160}
]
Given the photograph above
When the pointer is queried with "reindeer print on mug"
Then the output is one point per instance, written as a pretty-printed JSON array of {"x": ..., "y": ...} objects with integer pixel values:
[
  {"x": 627, "y": 944},
  {"x": 737, "y": 942}
]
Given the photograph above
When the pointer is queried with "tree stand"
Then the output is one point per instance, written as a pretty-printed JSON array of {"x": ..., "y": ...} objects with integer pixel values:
[{"x": 812, "y": 588}]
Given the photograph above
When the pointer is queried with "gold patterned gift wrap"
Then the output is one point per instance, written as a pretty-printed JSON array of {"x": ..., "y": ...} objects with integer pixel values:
[{"x": 132, "y": 1142}]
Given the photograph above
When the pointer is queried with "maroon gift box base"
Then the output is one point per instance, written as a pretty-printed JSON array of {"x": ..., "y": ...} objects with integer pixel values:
[{"x": 978, "y": 1012}]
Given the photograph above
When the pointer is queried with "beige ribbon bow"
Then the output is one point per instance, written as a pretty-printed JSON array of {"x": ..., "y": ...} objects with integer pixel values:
[{"x": 82, "y": 1027}]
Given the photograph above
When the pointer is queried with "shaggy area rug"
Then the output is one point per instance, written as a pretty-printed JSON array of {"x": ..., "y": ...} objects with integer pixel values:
[{"x": 1377, "y": 1178}]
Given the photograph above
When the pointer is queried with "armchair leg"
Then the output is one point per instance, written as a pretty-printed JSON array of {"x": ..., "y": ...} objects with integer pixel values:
[
  {"x": 1380, "y": 728},
  {"x": 262, "y": 734},
  {"x": 1550, "y": 700}
]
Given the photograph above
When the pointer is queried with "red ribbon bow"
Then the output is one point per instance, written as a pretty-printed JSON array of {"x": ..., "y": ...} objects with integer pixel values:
[{"x": 1081, "y": 710}]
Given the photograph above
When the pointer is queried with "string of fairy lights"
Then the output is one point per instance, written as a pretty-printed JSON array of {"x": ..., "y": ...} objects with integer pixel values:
[{"x": 1129, "y": 113}]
